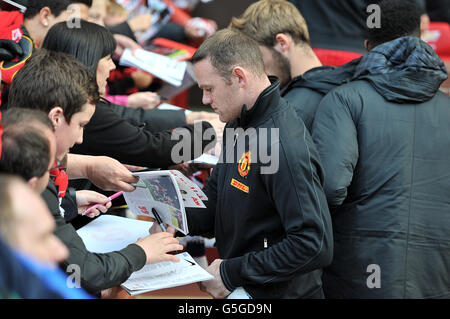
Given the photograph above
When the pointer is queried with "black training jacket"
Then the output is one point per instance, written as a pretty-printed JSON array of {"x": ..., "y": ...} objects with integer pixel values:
[{"x": 272, "y": 230}]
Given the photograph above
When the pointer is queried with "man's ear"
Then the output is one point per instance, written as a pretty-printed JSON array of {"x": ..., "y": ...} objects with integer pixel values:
[
  {"x": 367, "y": 45},
  {"x": 56, "y": 116},
  {"x": 241, "y": 76},
  {"x": 32, "y": 182},
  {"x": 44, "y": 16},
  {"x": 283, "y": 42}
]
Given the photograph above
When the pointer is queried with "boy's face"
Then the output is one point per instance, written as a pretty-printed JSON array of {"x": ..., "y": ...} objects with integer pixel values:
[{"x": 69, "y": 134}]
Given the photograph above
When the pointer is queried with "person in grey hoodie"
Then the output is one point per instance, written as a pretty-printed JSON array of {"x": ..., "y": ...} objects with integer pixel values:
[{"x": 384, "y": 142}]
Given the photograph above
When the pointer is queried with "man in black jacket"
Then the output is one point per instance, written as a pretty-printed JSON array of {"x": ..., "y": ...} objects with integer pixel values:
[
  {"x": 384, "y": 141},
  {"x": 268, "y": 213},
  {"x": 283, "y": 38}
]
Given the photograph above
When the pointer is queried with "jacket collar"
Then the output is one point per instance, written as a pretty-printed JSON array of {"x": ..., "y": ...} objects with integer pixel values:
[{"x": 266, "y": 104}]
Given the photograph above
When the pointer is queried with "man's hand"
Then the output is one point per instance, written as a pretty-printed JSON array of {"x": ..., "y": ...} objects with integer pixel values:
[
  {"x": 215, "y": 287},
  {"x": 157, "y": 229},
  {"x": 146, "y": 100},
  {"x": 157, "y": 246},
  {"x": 86, "y": 199},
  {"x": 109, "y": 174},
  {"x": 124, "y": 42}
]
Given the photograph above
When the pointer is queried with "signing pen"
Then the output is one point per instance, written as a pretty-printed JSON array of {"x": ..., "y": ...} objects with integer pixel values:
[
  {"x": 110, "y": 198},
  {"x": 159, "y": 220}
]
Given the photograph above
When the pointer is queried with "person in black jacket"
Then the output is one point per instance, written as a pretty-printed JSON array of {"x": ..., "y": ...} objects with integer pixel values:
[
  {"x": 107, "y": 133},
  {"x": 384, "y": 142},
  {"x": 269, "y": 215},
  {"x": 283, "y": 38}
]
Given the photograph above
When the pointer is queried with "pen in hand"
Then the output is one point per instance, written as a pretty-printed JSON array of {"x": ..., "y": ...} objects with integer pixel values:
[
  {"x": 110, "y": 198},
  {"x": 159, "y": 220}
]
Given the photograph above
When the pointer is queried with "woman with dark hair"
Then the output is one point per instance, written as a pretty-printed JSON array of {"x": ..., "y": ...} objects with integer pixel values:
[{"x": 132, "y": 136}]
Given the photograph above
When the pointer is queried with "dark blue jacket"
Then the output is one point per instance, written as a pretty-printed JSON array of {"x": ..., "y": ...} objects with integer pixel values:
[{"x": 384, "y": 142}]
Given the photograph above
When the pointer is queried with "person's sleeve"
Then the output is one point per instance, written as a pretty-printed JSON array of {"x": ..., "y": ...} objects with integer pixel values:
[
  {"x": 335, "y": 136},
  {"x": 108, "y": 134},
  {"x": 121, "y": 100},
  {"x": 301, "y": 205},
  {"x": 201, "y": 220},
  {"x": 99, "y": 271},
  {"x": 124, "y": 29},
  {"x": 154, "y": 120}
]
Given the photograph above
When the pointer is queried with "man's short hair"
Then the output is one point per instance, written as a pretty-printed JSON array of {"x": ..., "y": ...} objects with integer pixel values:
[
  {"x": 56, "y": 6},
  {"x": 25, "y": 117},
  {"x": 398, "y": 18},
  {"x": 51, "y": 79},
  {"x": 264, "y": 19},
  {"x": 86, "y": 2},
  {"x": 26, "y": 148},
  {"x": 227, "y": 49}
]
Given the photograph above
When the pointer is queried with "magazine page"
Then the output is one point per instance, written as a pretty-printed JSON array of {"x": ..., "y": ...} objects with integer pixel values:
[
  {"x": 192, "y": 188},
  {"x": 158, "y": 190}
]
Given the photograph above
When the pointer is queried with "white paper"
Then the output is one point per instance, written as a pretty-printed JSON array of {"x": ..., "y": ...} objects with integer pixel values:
[
  {"x": 163, "y": 67},
  {"x": 109, "y": 233},
  {"x": 166, "y": 275},
  {"x": 170, "y": 107},
  {"x": 206, "y": 159}
]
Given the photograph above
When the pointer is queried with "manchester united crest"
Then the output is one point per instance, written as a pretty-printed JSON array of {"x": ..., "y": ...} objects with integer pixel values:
[{"x": 244, "y": 164}]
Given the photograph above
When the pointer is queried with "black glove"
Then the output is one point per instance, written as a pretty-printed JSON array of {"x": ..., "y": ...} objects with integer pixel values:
[{"x": 9, "y": 50}]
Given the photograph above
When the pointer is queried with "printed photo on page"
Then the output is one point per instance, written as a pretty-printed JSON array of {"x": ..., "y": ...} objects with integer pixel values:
[{"x": 159, "y": 190}]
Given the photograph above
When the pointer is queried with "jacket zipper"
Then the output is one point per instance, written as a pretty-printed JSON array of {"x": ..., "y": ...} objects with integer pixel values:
[{"x": 265, "y": 243}]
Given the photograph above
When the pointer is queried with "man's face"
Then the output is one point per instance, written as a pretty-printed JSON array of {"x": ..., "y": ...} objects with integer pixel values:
[
  {"x": 276, "y": 64},
  {"x": 69, "y": 134},
  {"x": 223, "y": 96},
  {"x": 80, "y": 9},
  {"x": 34, "y": 227},
  {"x": 97, "y": 12}
]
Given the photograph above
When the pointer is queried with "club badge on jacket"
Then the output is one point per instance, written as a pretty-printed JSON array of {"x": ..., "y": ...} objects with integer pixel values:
[{"x": 244, "y": 164}]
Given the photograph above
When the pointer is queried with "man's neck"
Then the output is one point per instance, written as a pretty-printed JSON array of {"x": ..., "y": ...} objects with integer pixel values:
[
  {"x": 34, "y": 30},
  {"x": 302, "y": 60},
  {"x": 258, "y": 87}
]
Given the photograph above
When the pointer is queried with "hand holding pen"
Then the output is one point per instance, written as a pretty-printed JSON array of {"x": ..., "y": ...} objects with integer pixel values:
[{"x": 106, "y": 203}]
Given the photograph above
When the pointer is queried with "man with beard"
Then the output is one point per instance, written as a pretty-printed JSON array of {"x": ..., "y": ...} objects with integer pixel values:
[{"x": 283, "y": 38}]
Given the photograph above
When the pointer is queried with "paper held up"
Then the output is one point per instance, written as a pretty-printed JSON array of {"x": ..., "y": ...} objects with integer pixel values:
[
  {"x": 165, "y": 68},
  {"x": 169, "y": 192}
]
